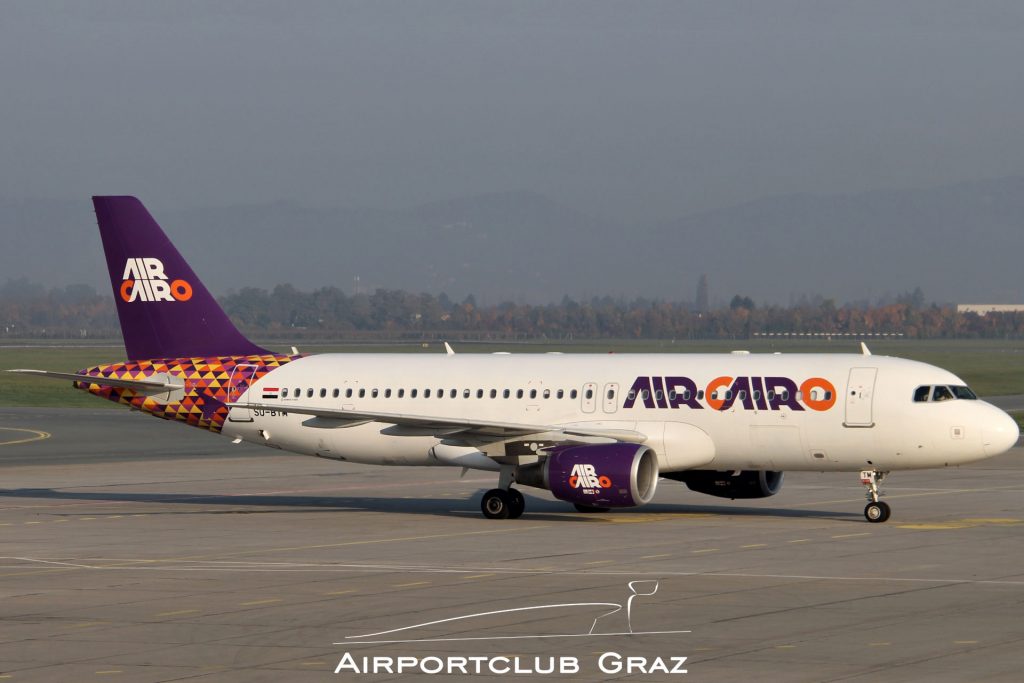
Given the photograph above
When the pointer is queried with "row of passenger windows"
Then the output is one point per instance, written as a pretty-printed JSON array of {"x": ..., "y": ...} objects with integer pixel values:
[
  {"x": 943, "y": 393},
  {"x": 439, "y": 393},
  {"x": 588, "y": 394},
  {"x": 741, "y": 395}
]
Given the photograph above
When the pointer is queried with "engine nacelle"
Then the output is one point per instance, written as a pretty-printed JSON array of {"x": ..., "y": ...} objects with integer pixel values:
[
  {"x": 746, "y": 484},
  {"x": 598, "y": 475}
]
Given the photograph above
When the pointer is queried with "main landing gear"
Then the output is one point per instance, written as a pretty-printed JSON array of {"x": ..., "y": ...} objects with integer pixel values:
[
  {"x": 503, "y": 502},
  {"x": 876, "y": 511}
]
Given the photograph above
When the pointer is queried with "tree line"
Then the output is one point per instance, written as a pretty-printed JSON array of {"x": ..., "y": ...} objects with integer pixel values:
[{"x": 29, "y": 310}]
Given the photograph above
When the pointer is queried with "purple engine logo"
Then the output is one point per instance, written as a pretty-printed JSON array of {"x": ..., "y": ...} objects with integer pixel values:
[{"x": 603, "y": 475}]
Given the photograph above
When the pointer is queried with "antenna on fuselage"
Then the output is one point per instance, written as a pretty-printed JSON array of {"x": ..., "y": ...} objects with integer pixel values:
[
  {"x": 864, "y": 349},
  {"x": 448, "y": 349}
]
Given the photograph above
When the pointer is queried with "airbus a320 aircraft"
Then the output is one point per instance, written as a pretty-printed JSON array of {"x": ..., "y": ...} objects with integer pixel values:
[{"x": 596, "y": 431}]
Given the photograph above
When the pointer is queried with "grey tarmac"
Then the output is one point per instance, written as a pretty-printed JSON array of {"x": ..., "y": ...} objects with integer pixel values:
[{"x": 138, "y": 550}]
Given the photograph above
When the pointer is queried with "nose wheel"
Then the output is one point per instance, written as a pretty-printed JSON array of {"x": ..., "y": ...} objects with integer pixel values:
[{"x": 875, "y": 511}]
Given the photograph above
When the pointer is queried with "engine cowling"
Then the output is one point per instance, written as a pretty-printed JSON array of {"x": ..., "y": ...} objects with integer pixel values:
[
  {"x": 598, "y": 475},
  {"x": 746, "y": 484}
]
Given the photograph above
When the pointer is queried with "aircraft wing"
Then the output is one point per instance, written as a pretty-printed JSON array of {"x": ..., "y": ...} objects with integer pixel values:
[
  {"x": 447, "y": 426},
  {"x": 137, "y": 384}
]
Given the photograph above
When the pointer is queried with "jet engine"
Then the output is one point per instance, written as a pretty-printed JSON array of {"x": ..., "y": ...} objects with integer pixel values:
[
  {"x": 746, "y": 484},
  {"x": 596, "y": 476}
]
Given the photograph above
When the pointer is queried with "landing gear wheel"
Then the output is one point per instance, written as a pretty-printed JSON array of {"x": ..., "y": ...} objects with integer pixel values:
[
  {"x": 496, "y": 504},
  {"x": 516, "y": 504},
  {"x": 877, "y": 512},
  {"x": 580, "y": 507}
]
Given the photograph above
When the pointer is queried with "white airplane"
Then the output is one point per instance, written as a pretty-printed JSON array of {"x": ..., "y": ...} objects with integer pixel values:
[{"x": 598, "y": 431}]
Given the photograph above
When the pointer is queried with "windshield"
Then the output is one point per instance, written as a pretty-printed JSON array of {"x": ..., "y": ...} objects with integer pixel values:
[
  {"x": 964, "y": 392},
  {"x": 943, "y": 392}
]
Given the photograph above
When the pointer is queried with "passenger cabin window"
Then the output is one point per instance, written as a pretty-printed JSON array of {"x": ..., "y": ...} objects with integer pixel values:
[
  {"x": 494, "y": 393},
  {"x": 426, "y": 393},
  {"x": 362, "y": 393},
  {"x": 348, "y": 393},
  {"x": 309, "y": 393},
  {"x": 590, "y": 394},
  {"x": 573, "y": 393},
  {"x": 506, "y": 393},
  {"x": 479, "y": 393},
  {"x": 547, "y": 393},
  {"x": 323, "y": 393},
  {"x": 454, "y": 392},
  {"x": 284, "y": 393},
  {"x": 387, "y": 393},
  {"x": 298, "y": 392},
  {"x": 465, "y": 393},
  {"x": 519, "y": 393},
  {"x": 335, "y": 393},
  {"x": 413, "y": 393},
  {"x": 611, "y": 394},
  {"x": 533, "y": 393},
  {"x": 401, "y": 393},
  {"x": 561, "y": 393}
]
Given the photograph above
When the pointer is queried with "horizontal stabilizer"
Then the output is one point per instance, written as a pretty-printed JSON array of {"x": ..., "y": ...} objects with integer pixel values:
[
  {"x": 480, "y": 428},
  {"x": 137, "y": 384}
]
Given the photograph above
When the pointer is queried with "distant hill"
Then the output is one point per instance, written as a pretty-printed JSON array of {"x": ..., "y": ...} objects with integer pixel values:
[{"x": 959, "y": 243}]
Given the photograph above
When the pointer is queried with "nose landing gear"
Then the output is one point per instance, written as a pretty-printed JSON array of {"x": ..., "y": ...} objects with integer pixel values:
[{"x": 875, "y": 511}]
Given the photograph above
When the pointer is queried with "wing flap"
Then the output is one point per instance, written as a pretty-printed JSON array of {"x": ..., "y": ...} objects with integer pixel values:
[{"x": 448, "y": 425}]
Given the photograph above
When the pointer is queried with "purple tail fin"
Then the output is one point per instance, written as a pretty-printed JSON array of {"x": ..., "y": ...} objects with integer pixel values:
[{"x": 165, "y": 311}]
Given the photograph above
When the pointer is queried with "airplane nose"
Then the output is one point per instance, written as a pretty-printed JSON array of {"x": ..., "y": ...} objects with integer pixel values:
[{"x": 1000, "y": 434}]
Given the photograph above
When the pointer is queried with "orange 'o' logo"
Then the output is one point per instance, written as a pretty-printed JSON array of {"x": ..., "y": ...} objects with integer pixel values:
[
  {"x": 181, "y": 290},
  {"x": 715, "y": 385},
  {"x": 604, "y": 482},
  {"x": 827, "y": 389},
  {"x": 126, "y": 289}
]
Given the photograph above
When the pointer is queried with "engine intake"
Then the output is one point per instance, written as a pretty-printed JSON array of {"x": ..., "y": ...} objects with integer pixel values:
[
  {"x": 599, "y": 475},
  {"x": 746, "y": 484}
]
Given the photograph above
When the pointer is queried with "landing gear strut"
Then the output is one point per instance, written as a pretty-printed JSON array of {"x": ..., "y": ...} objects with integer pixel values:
[
  {"x": 875, "y": 511},
  {"x": 504, "y": 502}
]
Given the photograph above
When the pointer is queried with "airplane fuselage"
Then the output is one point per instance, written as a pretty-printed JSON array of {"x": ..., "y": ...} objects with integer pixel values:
[{"x": 821, "y": 412}]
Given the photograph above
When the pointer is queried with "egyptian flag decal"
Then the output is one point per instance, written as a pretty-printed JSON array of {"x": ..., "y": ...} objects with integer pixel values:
[{"x": 270, "y": 392}]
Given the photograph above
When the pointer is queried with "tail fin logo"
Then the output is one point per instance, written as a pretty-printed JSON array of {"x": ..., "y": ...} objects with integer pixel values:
[{"x": 144, "y": 280}]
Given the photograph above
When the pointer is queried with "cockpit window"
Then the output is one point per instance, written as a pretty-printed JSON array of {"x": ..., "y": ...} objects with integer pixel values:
[
  {"x": 943, "y": 393},
  {"x": 964, "y": 392}
]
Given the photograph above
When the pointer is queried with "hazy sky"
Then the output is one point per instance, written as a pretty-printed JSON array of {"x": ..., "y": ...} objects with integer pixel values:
[{"x": 634, "y": 111}]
